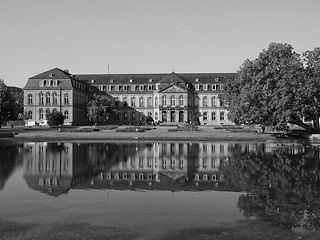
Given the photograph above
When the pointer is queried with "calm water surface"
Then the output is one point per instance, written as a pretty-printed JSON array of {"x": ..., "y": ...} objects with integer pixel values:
[{"x": 161, "y": 185}]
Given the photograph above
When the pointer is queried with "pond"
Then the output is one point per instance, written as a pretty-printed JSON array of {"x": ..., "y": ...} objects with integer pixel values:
[{"x": 161, "y": 186}]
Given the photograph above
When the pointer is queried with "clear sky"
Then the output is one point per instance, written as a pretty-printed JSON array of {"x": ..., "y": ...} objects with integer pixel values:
[{"x": 147, "y": 36}]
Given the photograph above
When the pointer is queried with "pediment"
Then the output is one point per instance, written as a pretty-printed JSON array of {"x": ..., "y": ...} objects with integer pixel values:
[{"x": 173, "y": 88}]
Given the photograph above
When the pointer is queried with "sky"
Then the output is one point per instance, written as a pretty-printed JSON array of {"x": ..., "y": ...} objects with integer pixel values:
[{"x": 147, "y": 36}]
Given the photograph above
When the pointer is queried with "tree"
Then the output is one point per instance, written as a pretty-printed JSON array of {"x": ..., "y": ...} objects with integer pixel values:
[
  {"x": 274, "y": 90},
  {"x": 55, "y": 118},
  {"x": 100, "y": 110},
  {"x": 6, "y": 103}
]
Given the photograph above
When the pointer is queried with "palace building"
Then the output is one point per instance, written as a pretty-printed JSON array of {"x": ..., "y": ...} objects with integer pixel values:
[{"x": 168, "y": 98}]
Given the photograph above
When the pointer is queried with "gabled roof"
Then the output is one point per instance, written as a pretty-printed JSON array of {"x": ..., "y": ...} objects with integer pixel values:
[
  {"x": 172, "y": 78},
  {"x": 173, "y": 88}
]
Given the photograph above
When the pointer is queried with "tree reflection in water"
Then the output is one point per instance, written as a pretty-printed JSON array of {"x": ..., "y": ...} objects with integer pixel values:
[{"x": 282, "y": 184}]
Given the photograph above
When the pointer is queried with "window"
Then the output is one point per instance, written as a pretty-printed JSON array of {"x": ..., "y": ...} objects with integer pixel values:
[
  {"x": 173, "y": 100},
  {"x": 221, "y": 86},
  {"x": 140, "y": 101},
  {"x": 214, "y": 87},
  {"x": 156, "y": 116},
  {"x": 205, "y": 116},
  {"x": 213, "y": 101},
  {"x": 221, "y": 116},
  {"x": 141, "y": 87},
  {"x": 125, "y": 116},
  {"x": 149, "y": 101},
  {"x": 47, "y": 111},
  {"x": 133, "y": 87},
  {"x": 47, "y": 98},
  {"x": 30, "y": 114},
  {"x": 205, "y": 87},
  {"x": 40, "y": 114},
  {"x": 181, "y": 103},
  {"x": 124, "y": 100},
  {"x": 41, "y": 99},
  {"x": 149, "y": 87},
  {"x": 213, "y": 116},
  {"x": 133, "y": 102},
  {"x": 66, "y": 114},
  {"x": 66, "y": 98},
  {"x": 221, "y": 103},
  {"x": 196, "y": 103},
  {"x": 164, "y": 100},
  {"x": 197, "y": 87},
  {"x": 141, "y": 116},
  {"x": 55, "y": 98},
  {"x": 48, "y": 83},
  {"x": 205, "y": 101},
  {"x": 156, "y": 101},
  {"x": 108, "y": 88},
  {"x": 41, "y": 83},
  {"x": 133, "y": 116},
  {"x": 29, "y": 98},
  {"x": 125, "y": 87},
  {"x": 117, "y": 88}
]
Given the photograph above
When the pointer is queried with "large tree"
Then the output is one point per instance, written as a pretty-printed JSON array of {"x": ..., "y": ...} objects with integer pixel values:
[
  {"x": 100, "y": 110},
  {"x": 7, "y": 103},
  {"x": 277, "y": 88}
]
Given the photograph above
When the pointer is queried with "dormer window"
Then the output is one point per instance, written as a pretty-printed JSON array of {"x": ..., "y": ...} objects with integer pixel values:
[
  {"x": 93, "y": 81},
  {"x": 197, "y": 87},
  {"x": 125, "y": 87},
  {"x": 112, "y": 80},
  {"x": 197, "y": 80},
  {"x": 48, "y": 83},
  {"x": 214, "y": 87},
  {"x": 131, "y": 80},
  {"x": 108, "y": 88},
  {"x": 205, "y": 87},
  {"x": 150, "y": 80},
  {"x": 50, "y": 74},
  {"x": 55, "y": 83},
  {"x": 141, "y": 87},
  {"x": 133, "y": 87},
  {"x": 41, "y": 83},
  {"x": 117, "y": 88},
  {"x": 221, "y": 86},
  {"x": 217, "y": 79},
  {"x": 149, "y": 87}
]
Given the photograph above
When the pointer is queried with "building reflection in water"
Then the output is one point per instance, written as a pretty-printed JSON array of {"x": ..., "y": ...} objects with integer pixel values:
[{"x": 55, "y": 168}]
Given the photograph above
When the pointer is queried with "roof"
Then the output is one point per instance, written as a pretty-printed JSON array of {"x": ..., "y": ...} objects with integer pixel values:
[
  {"x": 63, "y": 76},
  {"x": 100, "y": 79}
]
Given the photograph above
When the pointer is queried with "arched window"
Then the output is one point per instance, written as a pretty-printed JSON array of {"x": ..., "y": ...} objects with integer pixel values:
[
  {"x": 213, "y": 101},
  {"x": 173, "y": 100},
  {"x": 133, "y": 102},
  {"x": 41, "y": 99},
  {"x": 141, "y": 101},
  {"x": 205, "y": 116},
  {"x": 55, "y": 98},
  {"x": 48, "y": 98},
  {"x": 164, "y": 100},
  {"x": 156, "y": 101},
  {"x": 205, "y": 101},
  {"x": 66, "y": 98},
  {"x": 181, "y": 103},
  {"x": 221, "y": 116},
  {"x": 29, "y": 114},
  {"x": 196, "y": 103},
  {"x": 30, "y": 98},
  {"x": 66, "y": 114},
  {"x": 124, "y": 100},
  {"x": 40, "y": 114},
  {"x": 149, "y": 101},
  {"x": 47, "y": 111}
]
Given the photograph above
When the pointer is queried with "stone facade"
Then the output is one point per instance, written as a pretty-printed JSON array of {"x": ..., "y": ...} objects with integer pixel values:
[{"x": 167, "y": 98}]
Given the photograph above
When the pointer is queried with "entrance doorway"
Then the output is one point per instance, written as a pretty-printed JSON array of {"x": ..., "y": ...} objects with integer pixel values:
[
  {"x": 172, "y": 116},
  {"x": 164, "y": 116},
  {"x": 181, "y": 116}
]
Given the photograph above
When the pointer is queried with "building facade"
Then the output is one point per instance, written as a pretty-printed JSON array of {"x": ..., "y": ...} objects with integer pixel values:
[{"x": 167, "y": 98}]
